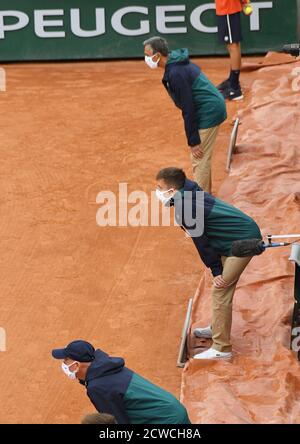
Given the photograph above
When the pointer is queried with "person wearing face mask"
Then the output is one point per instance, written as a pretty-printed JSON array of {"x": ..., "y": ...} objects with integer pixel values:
[
  {"x": 219, "y": 224},
  {"x": 202, "y": 105},
  {"x": 116, "y": 390}
]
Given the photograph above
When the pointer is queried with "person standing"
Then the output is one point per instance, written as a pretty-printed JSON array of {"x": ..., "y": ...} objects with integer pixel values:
[
  {"x": 218, "y": 224},
  {"x": 230, "y": 32},
  {"x": 202, "y": 105}
]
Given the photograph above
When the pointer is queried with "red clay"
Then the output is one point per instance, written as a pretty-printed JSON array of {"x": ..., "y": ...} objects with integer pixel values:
[{"x": 69, "y": 131}]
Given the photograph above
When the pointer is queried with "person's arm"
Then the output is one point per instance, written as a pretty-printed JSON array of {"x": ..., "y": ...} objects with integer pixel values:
[
  {"x": 111, "y": 403},
  {"x": 184, "y": 98},
  {"x": 209, "y": 257}
]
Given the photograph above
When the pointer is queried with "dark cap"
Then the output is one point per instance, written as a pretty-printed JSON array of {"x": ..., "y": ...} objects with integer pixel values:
[{"x": 80, "y": 351}]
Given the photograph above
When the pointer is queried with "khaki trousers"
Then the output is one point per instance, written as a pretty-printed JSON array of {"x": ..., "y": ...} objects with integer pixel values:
[
  {"x": 222, "y": 298},
  {"x": 202, "y": 167}
]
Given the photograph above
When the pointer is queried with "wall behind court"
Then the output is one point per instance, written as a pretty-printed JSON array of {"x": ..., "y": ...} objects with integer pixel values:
[{"x": 77, "y": 29}]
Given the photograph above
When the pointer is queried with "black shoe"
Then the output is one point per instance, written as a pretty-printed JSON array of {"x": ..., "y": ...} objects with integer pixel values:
[
  {"x": 233, "y": 94},
  {"x": 224, "y": 85}
]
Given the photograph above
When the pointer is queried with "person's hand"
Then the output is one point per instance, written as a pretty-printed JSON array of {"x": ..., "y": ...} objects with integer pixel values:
[
  {"x": 219, "y": 282},
  {"x": 197, "y": 151}
]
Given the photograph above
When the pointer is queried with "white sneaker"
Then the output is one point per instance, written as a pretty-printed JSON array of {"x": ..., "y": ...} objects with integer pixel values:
[
  {"x": 203, "y": 332},
  {"x": 211, "y": 353}
]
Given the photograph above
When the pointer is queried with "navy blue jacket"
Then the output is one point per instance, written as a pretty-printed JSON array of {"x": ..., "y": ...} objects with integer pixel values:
[
  {"x": 131, "y": 399},
  {"x": 107, "y": 381},
  {"x": 222, "y": 224},
  {"x": 208, "y": 255},
  {"x": 202, "y": 105}
]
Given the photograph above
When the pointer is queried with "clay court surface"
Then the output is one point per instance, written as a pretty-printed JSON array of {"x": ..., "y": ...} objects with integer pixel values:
[{"x": 69, "y": 131}]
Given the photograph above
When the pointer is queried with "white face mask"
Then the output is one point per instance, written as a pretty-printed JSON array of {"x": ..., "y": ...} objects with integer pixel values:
[
  {"x": 164, "y": 199},
  {"x": 67, "y": 371},
  {"x": 151, "y": 63}
]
